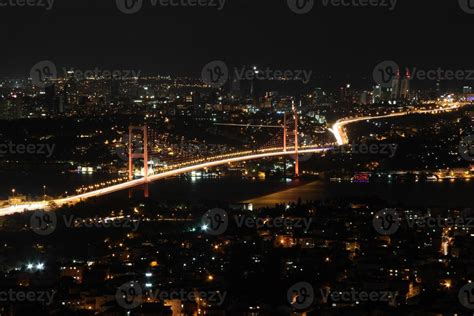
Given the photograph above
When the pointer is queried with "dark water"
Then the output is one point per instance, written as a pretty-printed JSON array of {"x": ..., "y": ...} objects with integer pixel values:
[
  {"x": 259, "y": 192},
  {"x": 31, "y": 183}
]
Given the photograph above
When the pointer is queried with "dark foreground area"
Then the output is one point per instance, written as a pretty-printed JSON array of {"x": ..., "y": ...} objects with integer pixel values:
[{"x": 338, "y": 256}]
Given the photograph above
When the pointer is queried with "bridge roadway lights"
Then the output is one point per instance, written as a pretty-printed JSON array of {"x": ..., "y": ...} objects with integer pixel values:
[{"x": 118, "y": 187}]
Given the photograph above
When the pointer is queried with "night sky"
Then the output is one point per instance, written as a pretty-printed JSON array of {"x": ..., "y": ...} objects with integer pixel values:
[{"x": 344, "y": 42}]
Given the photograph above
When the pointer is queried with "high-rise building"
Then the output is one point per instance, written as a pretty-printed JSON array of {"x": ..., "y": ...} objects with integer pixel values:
[
  {"x": 401, "y": 86},
  {"x": 467, "y": 90},
  {"x": 405, "y": 88},
  {"x": 377, "y": 94},
  {"x": 346, "y": 94},
  {"x": 395, "y": 92},
  {"x": 70, "y": 92},
  {"x": 364, "y": 98}
]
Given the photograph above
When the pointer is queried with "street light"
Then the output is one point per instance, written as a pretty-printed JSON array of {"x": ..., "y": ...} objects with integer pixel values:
[
  {"x": 13, "y": 192},
  {"x": 44, "y": 192}
]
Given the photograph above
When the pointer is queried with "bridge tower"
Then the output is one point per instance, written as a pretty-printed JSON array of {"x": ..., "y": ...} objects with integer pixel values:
[
  {"x": 284, "y": 131},
  {"x": 143, "y": 155},
  {"x": 297, "y": 160}
]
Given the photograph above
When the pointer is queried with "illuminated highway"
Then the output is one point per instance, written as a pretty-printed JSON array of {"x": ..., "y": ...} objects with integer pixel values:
[{"x": 338, "y": 129}]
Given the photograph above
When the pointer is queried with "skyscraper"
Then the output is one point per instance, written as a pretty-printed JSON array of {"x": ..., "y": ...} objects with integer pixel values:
[
  {"x": 405, "y": 88},
  {"x": 377, "y": 94},
  {"x": 395, "y": 93},
  {"x": 364, "y": 97},
  {"x": 346, "y": 94},
  {"x": 401, "y": 86}
]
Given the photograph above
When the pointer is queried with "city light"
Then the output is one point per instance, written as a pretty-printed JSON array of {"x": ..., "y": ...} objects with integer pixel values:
[{"x": 241, "y": 165}]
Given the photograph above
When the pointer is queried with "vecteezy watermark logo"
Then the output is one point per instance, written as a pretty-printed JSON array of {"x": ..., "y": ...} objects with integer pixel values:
[
  {"x": 215, "y": 73},
  {"x": 215, "y": 222},
  {"x": 389, "y": 4},
  {"x": 129, "y": 295},
  {"x": 42, "y": 73},
  {"x": 439, "y": 222},
  {"x": 355, "y": 296},
  {"x": 301, "y": 295},
  {"x": 466, "y": 296},
  {"x": 268, "y": 223},
  {"x": 386, "y": 221},
  {"x": 440, "y": 74},
  {"x": 273, "y": 74},
  {"x": 101, "y": 74},
  {"x": 47, "y": 4},
  {"x": 301, "y": 6},
  {"x": 467, "y": 6},
  {"x": 43, "y": 223},
  {"x": 466, "y": 148},
  {"x": 134, "y": 6},
  {"x": 372, "y": 149},
  {"x": 29, "y": 149},
  {"x": 305, "y": 6},
  {"x": 129, "y": 6},
  {"x": 385, "y": 72},
  {"x": 12, "y": 296}
]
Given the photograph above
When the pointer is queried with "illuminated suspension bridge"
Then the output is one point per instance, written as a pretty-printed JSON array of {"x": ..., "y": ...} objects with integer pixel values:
[{"x": 289, "y": 146}]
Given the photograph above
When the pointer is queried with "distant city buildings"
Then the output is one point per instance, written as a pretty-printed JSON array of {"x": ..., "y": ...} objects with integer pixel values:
[
  {"x": 83, "y": 97},
  {"x": 377, "y": 94},
  {"x": 401, "y": 86}
]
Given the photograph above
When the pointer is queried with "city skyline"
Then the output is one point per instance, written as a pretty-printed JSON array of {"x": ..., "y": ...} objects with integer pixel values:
[{"x": 236, "y": 157}]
